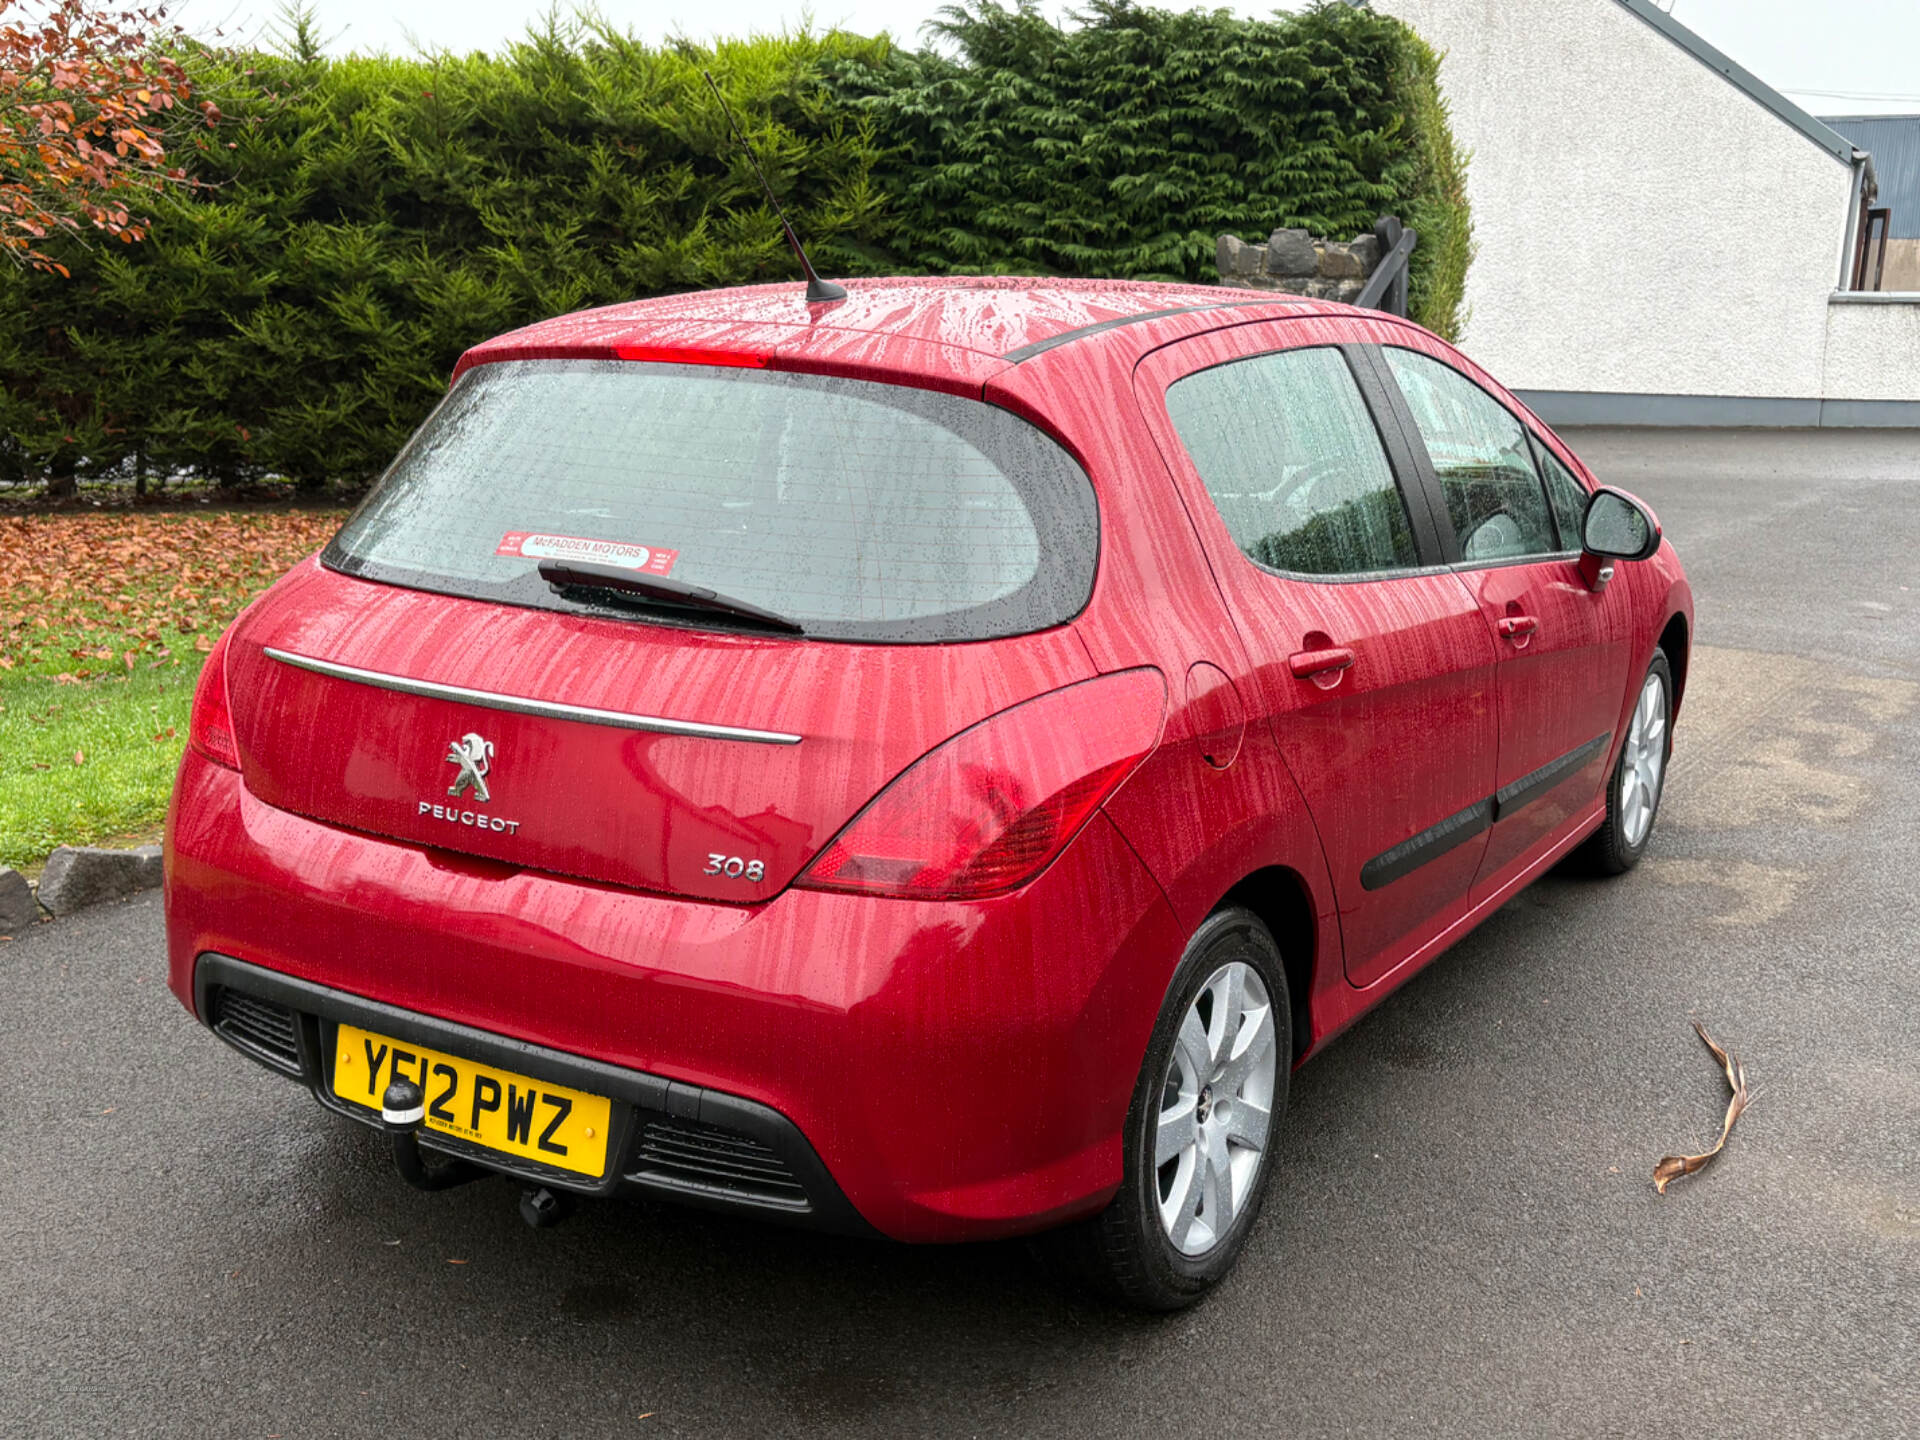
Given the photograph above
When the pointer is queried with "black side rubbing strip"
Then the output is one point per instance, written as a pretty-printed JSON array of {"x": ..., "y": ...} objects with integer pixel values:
[
  {"x": 1038, "y": 347},
  {"x": 1535, "y": 783},
  {"x": 1436, "y": 840},
  {"x": 1430, "y": 844}
]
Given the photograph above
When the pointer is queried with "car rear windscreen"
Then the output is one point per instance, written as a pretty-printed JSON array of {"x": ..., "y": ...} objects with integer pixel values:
[{"x": 862, "y": 511}]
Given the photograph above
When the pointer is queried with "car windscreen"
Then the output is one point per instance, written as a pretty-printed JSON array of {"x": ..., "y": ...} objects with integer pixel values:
[{"x": 862, "y": 511}]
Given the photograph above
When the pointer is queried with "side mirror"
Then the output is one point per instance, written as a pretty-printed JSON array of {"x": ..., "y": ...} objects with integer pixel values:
[{"x": 1619, "y": 527}]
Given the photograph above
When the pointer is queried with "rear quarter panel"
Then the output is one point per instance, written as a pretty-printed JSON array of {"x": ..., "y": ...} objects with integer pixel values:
[{"x": 1199, "y": 829}]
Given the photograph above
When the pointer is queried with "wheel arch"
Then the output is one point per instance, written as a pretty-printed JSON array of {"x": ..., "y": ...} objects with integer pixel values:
[
  {"x": 1279, "y": 896},
  {"x": 1674, "y": 640}
]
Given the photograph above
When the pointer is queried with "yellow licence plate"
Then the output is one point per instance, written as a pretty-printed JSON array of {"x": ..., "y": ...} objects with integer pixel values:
[{"x": 534, "y": 1119}]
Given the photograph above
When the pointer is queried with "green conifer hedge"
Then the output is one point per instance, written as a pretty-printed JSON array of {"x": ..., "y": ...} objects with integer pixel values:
[{"x": 361, "y": 221}]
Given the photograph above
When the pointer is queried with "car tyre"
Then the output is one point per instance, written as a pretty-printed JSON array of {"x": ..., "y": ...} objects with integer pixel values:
[
  {"x": 1220, "y": 1056},
  {"x": 1639, "y": 777}
]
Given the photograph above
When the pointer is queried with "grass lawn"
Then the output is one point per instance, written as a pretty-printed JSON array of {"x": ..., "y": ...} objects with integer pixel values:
[{"x": 105, "y": 621}]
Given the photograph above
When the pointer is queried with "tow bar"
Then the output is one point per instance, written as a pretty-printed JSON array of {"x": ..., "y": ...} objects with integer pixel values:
[{"x": 403, "y": 1109}]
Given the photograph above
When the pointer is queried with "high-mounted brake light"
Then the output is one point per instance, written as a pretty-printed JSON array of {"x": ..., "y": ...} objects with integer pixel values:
[
  {"x": 210, "y": 722},
  {"x": 672, "y": 355},
  {"x": 990, "y": 809}
]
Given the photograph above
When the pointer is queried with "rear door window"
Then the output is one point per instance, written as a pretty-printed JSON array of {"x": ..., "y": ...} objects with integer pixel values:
[
  {"x": 1482, "y": 458},
  {"x": 862, "y": 511},
  {"x": 1294, "y": 464}
]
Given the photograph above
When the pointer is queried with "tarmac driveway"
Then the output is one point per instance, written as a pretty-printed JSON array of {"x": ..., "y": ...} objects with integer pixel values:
[{"x": 1463, "y": 1238}]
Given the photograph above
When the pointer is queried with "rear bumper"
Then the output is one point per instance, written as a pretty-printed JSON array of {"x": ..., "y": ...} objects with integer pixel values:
[
  {"x": 668, "y": 1139},
  {"x": 933, "y": 1071}
]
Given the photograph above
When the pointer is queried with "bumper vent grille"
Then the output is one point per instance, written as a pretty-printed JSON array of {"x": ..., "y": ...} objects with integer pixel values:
[
  {"x": 693, "y": 1155},
  {"x": 261, "y": 1028}
]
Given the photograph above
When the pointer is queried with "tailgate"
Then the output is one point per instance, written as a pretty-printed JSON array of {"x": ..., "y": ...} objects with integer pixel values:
[{"x": 676, "y": 760}]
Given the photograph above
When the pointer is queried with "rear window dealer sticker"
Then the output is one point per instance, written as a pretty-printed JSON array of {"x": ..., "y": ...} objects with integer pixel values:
[{"x": 532, "y": 546}]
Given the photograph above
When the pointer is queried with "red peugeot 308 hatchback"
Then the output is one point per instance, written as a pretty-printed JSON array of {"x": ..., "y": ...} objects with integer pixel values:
[{"x": 929, "y": 764}]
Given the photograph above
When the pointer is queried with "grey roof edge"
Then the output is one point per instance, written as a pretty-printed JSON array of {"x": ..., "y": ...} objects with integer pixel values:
[{"x": 1825, "y": 136}]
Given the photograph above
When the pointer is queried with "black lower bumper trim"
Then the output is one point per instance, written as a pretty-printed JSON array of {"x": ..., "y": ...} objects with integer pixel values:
[{"x": 727, "y": 1153}]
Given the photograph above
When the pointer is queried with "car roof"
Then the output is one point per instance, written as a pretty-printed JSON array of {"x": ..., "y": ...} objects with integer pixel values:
[{"x": 965, "y": 328}]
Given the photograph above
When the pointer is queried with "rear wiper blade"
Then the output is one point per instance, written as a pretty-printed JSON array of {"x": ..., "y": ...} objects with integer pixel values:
[{"x": 658, "y": 589}]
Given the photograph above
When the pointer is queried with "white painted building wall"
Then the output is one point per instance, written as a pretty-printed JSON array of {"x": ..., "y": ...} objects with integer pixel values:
[
  {"x": 1645, "y": 226},
  {"x": 1873, "y": 347}
]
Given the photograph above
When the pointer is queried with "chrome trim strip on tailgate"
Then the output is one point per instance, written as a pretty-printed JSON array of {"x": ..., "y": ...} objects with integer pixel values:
[{"x": 521, "y": 705}]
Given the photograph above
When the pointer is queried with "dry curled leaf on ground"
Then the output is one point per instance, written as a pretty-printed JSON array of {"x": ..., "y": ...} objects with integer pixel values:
[{"x": 1672, "y": 1167}]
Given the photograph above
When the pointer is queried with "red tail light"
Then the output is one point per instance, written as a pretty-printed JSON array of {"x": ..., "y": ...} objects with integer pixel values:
[
  {"x": 210, "y": 726},
  {"x": 991, "y": 808}
]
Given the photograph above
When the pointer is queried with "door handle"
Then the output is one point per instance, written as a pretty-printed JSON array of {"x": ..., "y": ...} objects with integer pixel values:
[
  {"x": 1306, "y": 664},
  {"x": 1514, "y": 626}
]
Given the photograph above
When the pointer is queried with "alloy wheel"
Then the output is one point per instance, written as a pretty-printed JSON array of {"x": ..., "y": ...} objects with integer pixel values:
[
  {"x": 1216, "y": 1106},
  {"x": 1645, "y": 761}
]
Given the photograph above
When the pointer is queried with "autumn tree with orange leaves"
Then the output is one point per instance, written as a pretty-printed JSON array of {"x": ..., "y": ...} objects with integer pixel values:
[{"x": 87, "y": 95}]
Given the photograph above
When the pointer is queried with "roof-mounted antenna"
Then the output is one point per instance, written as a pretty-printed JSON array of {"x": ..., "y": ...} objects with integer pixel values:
[{"x": 819, "y": 292}]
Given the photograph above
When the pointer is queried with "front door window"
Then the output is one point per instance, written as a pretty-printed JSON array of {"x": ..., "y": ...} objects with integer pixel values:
[
  {"x": 1481, "y": 458},
  {"x": 1569, "y": 499}
]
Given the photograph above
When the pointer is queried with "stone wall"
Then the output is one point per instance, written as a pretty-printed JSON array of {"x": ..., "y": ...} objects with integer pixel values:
[{"x": 1294, "y": 261}]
